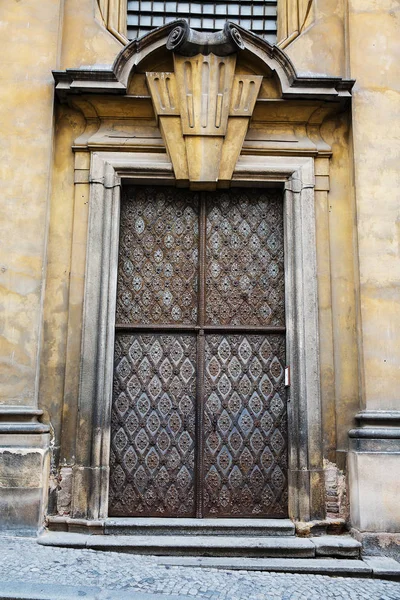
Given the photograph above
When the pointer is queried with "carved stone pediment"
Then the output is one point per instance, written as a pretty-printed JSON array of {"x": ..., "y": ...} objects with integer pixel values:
[{"x": 206, "y": 99}]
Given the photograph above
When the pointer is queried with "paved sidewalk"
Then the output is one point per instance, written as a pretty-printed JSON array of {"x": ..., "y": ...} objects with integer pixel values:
[{"x": 28, "y": 570}]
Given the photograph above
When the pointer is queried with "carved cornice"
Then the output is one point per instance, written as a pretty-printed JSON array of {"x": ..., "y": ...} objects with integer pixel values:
[
  {"x": 189, "y": 42},
  {"x": 115, "y": 79}
]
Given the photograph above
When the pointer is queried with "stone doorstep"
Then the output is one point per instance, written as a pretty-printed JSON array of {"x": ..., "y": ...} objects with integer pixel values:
[
  {"x": 190, "y": 526},
  {"x": 377, "y": 567},
  {"x": 383, "y": 567},
  {"x": 318, "y": 566},
  {"x": 216, "y": 545},
  {"x": 194, "y": 527}
]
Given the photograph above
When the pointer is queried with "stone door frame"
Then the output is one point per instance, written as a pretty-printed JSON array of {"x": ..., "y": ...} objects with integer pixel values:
[{"x": 107, "y": 172}]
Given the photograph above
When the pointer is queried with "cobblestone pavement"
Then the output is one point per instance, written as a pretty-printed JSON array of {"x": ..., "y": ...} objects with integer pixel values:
[{"x": 22, "y": 559}]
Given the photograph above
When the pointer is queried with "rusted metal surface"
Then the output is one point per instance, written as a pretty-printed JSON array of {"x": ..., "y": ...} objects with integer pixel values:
[
  {"x": 245, "y": 270},
  {"x": 158, "y": 256},
  {"x": 199, "y": 421},
  {"x": 153, "y": 425},
  {"x": 245, "y": 426}
]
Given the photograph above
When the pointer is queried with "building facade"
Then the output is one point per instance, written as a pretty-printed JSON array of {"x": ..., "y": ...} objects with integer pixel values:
[{"x": 200, "y": 264}]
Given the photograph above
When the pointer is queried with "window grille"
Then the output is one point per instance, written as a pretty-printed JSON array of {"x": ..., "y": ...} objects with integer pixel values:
[{"x": 259, "y": 16}]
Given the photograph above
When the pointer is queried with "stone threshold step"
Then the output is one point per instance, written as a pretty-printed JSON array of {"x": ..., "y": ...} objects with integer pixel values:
[
  {"x": 175, "y": 545},
  {"x": 318, "y": 566},
  {"x": 377, "y": 567},
  {"x": 162, "y": 526}
]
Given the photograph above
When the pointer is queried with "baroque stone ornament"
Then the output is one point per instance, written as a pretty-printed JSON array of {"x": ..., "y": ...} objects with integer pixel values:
[
  {"x": 203, "y": 107},
  {"x": 189, "y": 42}
]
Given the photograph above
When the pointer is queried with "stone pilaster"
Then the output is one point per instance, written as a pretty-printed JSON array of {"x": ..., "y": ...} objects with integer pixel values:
[{"x": 374, "y": 469}]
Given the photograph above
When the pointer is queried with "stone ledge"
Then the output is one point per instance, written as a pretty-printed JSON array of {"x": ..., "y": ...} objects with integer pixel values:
[
  {"x": 379, "y": 544},
  {"x": 175, "y": 545},
  {"x": 21, "y": 420},
  {"x": 195, "y": 527},
  {"x": 320, "y": 566},
  {"x": 379, "y": 418},
  {"x": 18, "y": 590},
  {"x": 210, "y": 545},
  {"x": 376, "y": 433},
  {"x": 383, "y": 567},
  {"x": 337, "y": 546},
  {"x": 60, "y": 523}
]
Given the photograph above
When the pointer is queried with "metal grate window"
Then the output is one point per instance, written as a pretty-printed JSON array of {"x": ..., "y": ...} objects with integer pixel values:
[{"x": 259, "y": 16}]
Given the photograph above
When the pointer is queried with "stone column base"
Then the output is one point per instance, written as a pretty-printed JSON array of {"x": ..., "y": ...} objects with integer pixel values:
[
  {"x": 24, "y": 470},
  {"x": 374, "y": 480},
  {"x": 378, "y": 544}
]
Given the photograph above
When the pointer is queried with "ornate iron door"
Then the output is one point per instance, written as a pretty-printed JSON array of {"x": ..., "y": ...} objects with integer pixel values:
[{"x": 199, "y": 424}]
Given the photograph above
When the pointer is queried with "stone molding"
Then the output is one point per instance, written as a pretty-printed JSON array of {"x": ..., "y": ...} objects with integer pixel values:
[
  {"x": 378, "y": 418},
  {"x": 21, "y": 419},
  {"x": 377, "y": 431},
  {"x": 115, "y": 79},
  {"x": 296, "y": 175}
]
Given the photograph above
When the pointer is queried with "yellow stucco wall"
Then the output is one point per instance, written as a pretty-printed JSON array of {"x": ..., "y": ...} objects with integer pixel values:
[
  {"x": 374, "y": 30},
  {"x": 29, "y": 49}
]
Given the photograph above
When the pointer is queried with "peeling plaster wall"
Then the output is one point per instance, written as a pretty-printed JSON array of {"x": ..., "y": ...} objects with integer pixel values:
[{"x": 374, "y": 465}]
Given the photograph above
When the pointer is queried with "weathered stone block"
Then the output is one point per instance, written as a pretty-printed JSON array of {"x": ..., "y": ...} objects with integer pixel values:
[
  {"x": 375, "y": 491},
  {"x": 23, "y": 484},
  {"x": 20, "y": 510}
]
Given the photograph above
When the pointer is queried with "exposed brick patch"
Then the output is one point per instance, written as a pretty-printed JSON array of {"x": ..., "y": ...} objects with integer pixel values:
[
  {"x": 336, "y": 499},
  {"x": 64, "y": 493}
]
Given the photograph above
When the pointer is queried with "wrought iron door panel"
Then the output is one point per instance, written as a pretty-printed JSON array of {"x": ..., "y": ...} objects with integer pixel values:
[
  {"x": 158, "y": 256},
  {"x": 245, "y": 426},
  {"x": 199, "y": 420},
  {"x": 245, "y": 268},
  {"x": 153, "y": 425}
]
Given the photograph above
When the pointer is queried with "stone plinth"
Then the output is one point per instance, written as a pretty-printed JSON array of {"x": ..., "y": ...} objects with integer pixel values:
[{"x": 24, "y": 469}]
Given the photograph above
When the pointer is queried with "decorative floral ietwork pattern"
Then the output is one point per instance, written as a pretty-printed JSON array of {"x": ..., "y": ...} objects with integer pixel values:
[
  {"x": 245, "y": 455},
  {"x": 245, "y": 262},
  {"x": 158, "y": 257},
  {"x": 181, "y": 446},
  {"x": 153, "y": 425}
]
